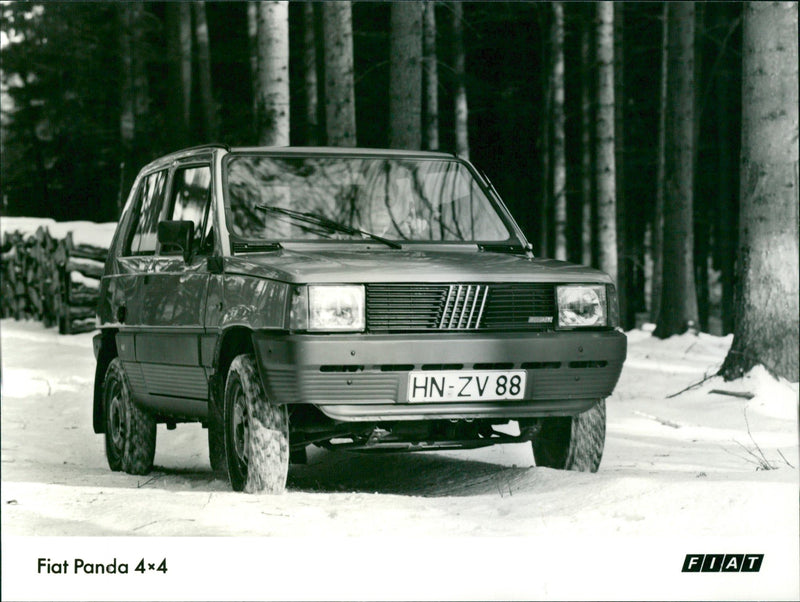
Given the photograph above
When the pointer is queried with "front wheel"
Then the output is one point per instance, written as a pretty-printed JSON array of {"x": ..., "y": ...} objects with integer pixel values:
[
  {"x": 256, "y": 432},
  {"x": 130, "y": 430},
  {"x": 572, "y": 442}
]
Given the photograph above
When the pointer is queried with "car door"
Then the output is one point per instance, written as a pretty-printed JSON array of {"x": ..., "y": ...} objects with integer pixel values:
[
  {"x": 175, "y": 293},
  {"x": 133, "y": 263}
]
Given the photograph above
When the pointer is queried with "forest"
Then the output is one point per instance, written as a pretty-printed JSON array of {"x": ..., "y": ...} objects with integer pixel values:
[{"x": 655, "y": 141}]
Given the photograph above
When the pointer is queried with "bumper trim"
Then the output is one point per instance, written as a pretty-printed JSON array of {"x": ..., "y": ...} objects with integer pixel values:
[{"x": 459, "y": 411}]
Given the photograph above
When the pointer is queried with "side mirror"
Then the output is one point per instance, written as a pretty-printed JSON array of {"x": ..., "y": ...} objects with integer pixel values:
[{"x": 178, "y": 234}]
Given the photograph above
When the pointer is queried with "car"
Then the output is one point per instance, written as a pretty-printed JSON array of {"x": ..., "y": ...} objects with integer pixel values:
[{"x": 352, "y": 299}]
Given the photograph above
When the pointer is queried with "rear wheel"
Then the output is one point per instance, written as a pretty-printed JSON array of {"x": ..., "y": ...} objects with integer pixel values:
[
  {"x": 572, "y": 442},
  {"x": 130, "y": 430},
  {"x": 256, "y": 432}
]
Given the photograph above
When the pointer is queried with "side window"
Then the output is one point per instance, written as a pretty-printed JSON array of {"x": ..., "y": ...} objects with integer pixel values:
[
  {"x": 146, "y": 212},
  {"x": 191, "y": 196}
]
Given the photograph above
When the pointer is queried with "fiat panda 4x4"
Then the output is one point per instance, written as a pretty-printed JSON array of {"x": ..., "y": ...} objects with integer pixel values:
[{"x": 364, "y": 300}]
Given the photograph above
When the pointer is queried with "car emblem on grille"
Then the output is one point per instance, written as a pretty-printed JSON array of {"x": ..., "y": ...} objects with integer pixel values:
[
  {"x": 463, "y": 307},
  {"x": 540, "y": 319}
]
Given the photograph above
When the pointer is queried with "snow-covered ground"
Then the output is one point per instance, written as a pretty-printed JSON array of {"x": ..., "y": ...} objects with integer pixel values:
[{"x": 680, "y": 475}]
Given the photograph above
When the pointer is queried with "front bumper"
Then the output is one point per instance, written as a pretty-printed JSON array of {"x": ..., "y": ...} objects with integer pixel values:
[{"x": 364, "y": 377}]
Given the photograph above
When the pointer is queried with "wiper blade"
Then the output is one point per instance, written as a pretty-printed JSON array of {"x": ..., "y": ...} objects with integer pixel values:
[
  {"x": 255, "y": 247},
  {"x": 318, "y": 220},
  {"x": 501, "y": 248}
]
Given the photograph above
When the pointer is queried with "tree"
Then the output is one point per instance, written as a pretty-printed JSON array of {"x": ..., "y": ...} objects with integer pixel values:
[
  {"x": 60, "y": 120},
  {"x": 587, "y": 173},
  {"x": 204, "y": 71},
  {"x": 310, "y": 88},
  {"x": 252, "y": 47},
  {"x": 405, "y": 76},
  {"x": 273, "y": 74},
  {"x": 340, "y": 104},
  {"x": 134, "y": 91},
  {"x": 658, "y": 219},
  {"x": 605, "y": 168},
  {"x": 766, "y": 330},
  {"x": 727, "y": 117},
  {"x": 559, "y": 156},
  {"x": 431, "y": 126},
  {"x": 678, "y": 295},
  {"x": 623, "y": 260},
  {"x": 179, "y": 54},
  {"x": 460, "y": 93}
]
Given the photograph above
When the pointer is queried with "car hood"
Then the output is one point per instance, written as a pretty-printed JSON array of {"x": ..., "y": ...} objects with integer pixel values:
[{"x": 379, "y": 265}]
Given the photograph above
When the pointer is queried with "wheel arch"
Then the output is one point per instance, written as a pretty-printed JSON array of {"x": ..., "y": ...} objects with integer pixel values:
[
  {"x": 105, "y": 344},
  {"x": 232, "y": 342}
]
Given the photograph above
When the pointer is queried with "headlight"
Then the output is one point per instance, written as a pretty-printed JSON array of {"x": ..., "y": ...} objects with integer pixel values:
[
  {"x": 326, "y": 307},
  {"x": 581, "y": 305}
]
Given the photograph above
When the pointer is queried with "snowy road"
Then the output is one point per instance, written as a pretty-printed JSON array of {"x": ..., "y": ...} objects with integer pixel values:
[{"x": 682, "y": 465}]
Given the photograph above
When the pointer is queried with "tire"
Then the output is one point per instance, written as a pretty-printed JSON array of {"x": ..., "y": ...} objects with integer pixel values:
[
  {"x": 130, "y": 430},
  {"x": 572, "y": 442},
  {"x": 256, "y": 432}
]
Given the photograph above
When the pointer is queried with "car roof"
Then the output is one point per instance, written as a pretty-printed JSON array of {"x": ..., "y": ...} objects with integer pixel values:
[
  {"x": 298, "y": 151},
  {"x": 340, "y": 151}
]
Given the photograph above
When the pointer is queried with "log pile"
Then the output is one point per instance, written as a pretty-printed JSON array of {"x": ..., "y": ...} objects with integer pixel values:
[{"x": 55, "y": 281}]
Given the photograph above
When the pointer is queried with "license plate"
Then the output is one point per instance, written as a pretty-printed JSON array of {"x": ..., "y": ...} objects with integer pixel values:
[{"x": 465, "y": 385}]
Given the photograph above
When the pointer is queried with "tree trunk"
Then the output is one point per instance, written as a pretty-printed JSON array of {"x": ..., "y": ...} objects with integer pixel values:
[
  {"x": 726, "y": 206},
  {"x": 405, "y": 76},
  {"x": 340, "y": 104},
  {"x": 606, "y": 165},
  {"x": 701, "y": 221},
  {"x": 767, "y": 309},
  {"x": 310, "y": 90},
  {"x": 657, "y": 238},
  {"x": 431, "y": 77},
  {"x": 587, "y": 196},
  {"x": 559, "y": 157},
  {"x": 624, "y": 260},
  {"x": 678, "y": 294},
  {"x": 460, "y": 94},
  {"x": 185, "y": 35},
  {"x": 252, "y": 47},
  {"x": 546, "y": 210},
  {"x": 273, "y": 73},
  {"x": 179, "y": 55},
  {"x": 134, "y": 101},
  {"x": 127, "y": 123},
  {"x": 204, "y": 71}
]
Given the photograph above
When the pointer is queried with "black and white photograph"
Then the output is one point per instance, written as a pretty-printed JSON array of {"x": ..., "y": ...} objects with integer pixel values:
[{"x": 403, "y": 300}]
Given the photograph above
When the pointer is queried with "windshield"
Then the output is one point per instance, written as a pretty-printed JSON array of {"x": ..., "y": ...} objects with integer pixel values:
[{"x": 399, "y": 199}]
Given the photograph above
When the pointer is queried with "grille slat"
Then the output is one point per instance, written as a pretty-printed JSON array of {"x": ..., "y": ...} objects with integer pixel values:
[{"x": 502, "y": 306}]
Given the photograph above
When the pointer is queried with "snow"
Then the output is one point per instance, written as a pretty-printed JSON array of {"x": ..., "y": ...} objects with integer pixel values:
[
  {"x": 83, "y": 232},
  {"x": 78, "y": 278},
  {"x": 697, "y": 472}
]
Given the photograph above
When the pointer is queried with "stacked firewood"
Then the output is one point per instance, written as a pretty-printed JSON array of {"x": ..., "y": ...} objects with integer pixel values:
[{"x": 52, "y": 280}]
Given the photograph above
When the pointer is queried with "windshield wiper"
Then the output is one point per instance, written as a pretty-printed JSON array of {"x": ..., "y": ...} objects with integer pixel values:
[
  {"x": 328, "y": 224},
  {"x": 502, "y": 248}
]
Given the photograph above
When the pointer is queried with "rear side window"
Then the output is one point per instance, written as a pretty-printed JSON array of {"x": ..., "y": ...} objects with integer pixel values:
[
  {"x": 148, "y": 208},
  {"x": 191, "y": 196}
]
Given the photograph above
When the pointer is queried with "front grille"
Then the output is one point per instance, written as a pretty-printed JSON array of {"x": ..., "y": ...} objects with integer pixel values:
[
  {"x": 424, "y": 307},
  {"x": 513, "y": 305}
]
